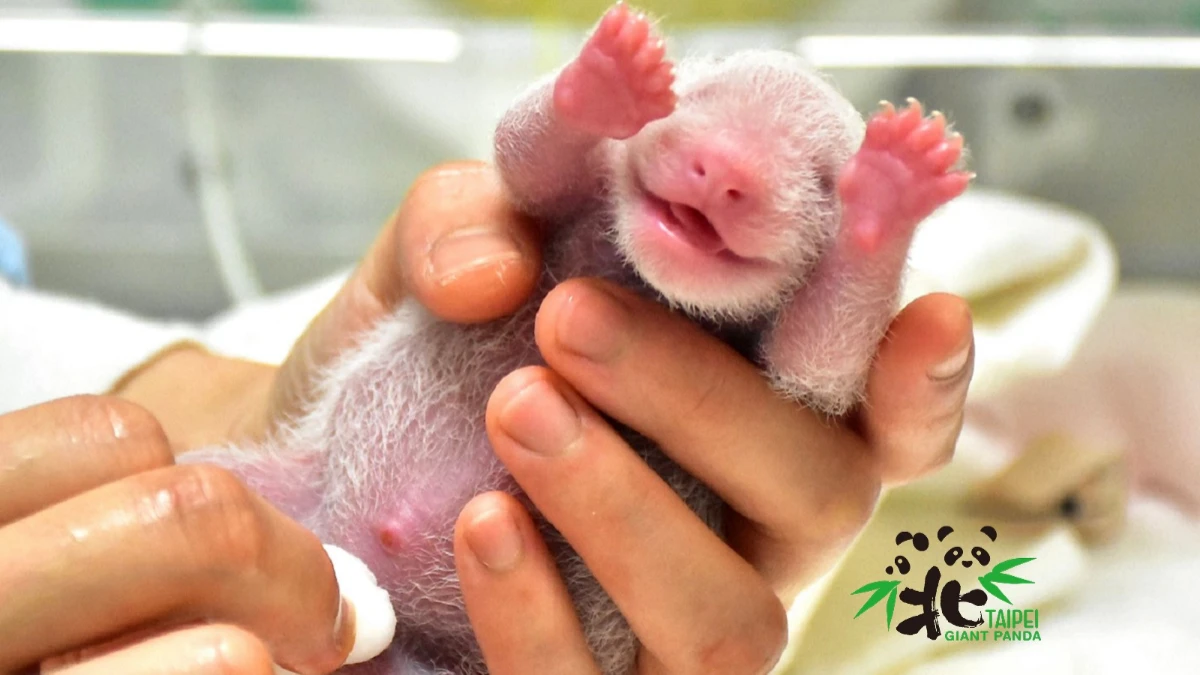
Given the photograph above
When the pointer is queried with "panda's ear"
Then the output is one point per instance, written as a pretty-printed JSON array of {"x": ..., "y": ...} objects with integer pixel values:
[
  {"x": 944, "y": 532},
  {"x": 989, "y": 531}
]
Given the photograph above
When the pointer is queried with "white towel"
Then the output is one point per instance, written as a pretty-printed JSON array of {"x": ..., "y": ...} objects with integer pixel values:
[
  {"x": 53, "y": 346},
  {"x": 1036, "y": 275}
]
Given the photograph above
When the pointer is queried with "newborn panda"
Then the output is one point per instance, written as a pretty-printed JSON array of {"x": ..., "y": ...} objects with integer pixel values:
[{"x": 743, "y": 191}]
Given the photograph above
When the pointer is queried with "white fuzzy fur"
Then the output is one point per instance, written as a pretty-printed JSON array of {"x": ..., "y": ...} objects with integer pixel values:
[
  {"x": 829, "y": 346},
  {"x": 396, "y": 430},
  {"x": 802, "y": 129},
  {"x": 402, "y": 414}
]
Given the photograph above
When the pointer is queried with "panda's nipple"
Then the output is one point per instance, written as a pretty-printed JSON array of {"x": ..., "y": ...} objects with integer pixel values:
[{"x": 390, "y": 537}]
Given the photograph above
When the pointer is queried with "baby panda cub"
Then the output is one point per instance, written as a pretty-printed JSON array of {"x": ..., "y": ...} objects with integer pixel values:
[{"x": 742, "y": 191}]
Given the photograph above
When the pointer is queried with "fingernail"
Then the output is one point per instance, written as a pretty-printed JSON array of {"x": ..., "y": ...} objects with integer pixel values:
[
  {"x": 495, "y": 540},
  {"x": 461, "y": 251},
  {"x": 952, "y": 367},
  {"x": 541, "y": 420},
  {"x": 344, "y": 628},
  {"x": 366, "y": 620},
  {"x": 593, "y": 324}
]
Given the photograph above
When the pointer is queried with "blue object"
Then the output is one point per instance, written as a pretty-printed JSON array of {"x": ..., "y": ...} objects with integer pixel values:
[{"x": 13, "y": 266}]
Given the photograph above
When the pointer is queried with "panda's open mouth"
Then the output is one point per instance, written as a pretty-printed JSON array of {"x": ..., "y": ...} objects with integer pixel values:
[
  {"x": 688, "y": 226},
  {"x": 686, "y": 223}
]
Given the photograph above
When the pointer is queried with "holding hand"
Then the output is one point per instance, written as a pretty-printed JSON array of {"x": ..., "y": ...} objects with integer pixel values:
[
  {"x": 800, "y": 487},
  {"x": 113, "y": 560}
]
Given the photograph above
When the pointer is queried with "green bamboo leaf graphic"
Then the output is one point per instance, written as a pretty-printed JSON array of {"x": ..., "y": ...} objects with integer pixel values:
[
  {"x": 1011, "y": 563},
  {"x": 998, "y": 575},
  {"x": 872, "y": 601},
  {"x": 879, "y": 590},
  {"x": 993, "y": 589},
  {"x": 891, "y": 606},
  {"x": 1003, "y": 578},
  {"x": 875, "y": 585}
]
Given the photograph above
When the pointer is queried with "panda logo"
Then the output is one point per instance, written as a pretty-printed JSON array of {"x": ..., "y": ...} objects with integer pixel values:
[
  {"x": 943, "y": 598},
  {"x": 956, "y": 554}
]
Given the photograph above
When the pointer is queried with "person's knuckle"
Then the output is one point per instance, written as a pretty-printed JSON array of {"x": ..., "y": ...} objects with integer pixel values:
[
  {"x": 61, "y": 662},
  {"x": 218, "y": 518},
  {"x": 706, "y": 396},
  {"x": 432, "y": 183},
  {"x": 132, "y": 438},
  {"x": 843, "y": 513},
  {"x": 748, "y": 646},
  {"x": 148, "y": 446},
  {"x": 859, "y": 507},
  {"x": 949, "y": 444},
  {"x": 237, "y": 652},
  {"x": 908, "y": 457},
  {"x": 940, "y": 460},
  {"x": 117, "y": 419},
  {"x": 425, "y": 183}
]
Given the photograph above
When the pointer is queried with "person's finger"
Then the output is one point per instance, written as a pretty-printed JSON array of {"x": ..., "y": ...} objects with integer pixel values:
[
  {"x": 198, "y": 650},
  {"x": 56, "y": 450},
  {"x": 918, "y": 387},
  {"x": 518, "y": 605},
  {"x": 776, "y": 463},
  {"x": 661, "y": 564},
  {"x": 456, "y": 244},
  {"x": 169, "y": 546},
  {"x": 468, "y": 254}
]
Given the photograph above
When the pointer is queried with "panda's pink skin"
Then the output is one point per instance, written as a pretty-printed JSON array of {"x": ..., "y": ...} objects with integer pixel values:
[{"x": 742, "y": 191}]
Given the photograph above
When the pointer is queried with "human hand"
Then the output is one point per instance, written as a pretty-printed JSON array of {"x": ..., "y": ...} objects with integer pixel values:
[
  {"x": 113, "y": 560},
  {"x": 799, "y": 487},
  {"x": 454, "y": 244}
]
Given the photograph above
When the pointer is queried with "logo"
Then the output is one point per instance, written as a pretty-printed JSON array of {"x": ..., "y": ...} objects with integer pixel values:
[{"x": 937, "y": 601}]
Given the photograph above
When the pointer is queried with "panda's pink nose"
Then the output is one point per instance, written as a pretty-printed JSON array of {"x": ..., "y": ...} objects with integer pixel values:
[{"x": 721, "y": 180}]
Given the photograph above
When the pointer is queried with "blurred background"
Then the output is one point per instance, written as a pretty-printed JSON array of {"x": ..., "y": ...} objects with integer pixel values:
[{"x": 173, "y": 156}]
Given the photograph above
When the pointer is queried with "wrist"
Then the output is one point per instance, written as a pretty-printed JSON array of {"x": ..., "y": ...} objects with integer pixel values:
[
  {"x": 868, "y": 236},
  {"x": 201, "y": 398}
]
